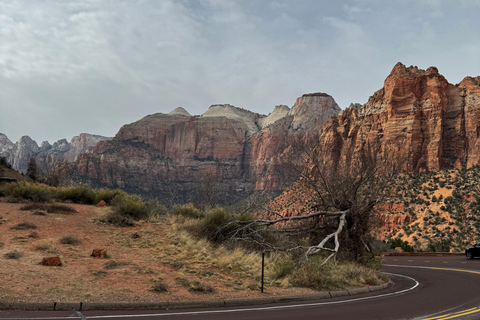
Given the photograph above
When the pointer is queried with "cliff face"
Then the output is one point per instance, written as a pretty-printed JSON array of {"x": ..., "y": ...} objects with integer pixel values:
[
  {"x": 170, "y": 155},
  {"x": 417, "y": 115},
  {"x": 46, "y": 155}
]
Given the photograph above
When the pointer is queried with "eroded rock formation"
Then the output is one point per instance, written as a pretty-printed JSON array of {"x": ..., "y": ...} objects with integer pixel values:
[
  {"x": 46, "y": 156},
  {"x": 418, "y": 116},
  {"x": 173, "y": 155}
]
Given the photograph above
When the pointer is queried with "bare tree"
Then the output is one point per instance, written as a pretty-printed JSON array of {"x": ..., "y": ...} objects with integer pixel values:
[{"x": 340, "y": 196}]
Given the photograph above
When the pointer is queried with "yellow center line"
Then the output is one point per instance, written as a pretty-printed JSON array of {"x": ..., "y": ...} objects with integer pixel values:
[
  {"x": 454, "y": 315},
  {"x": 450, "y": 315}
]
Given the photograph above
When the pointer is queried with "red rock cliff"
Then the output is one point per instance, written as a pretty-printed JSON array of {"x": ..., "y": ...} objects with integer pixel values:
[{"x": 417, "y": 114}]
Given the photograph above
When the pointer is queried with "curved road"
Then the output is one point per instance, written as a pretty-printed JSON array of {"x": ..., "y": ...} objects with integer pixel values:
[{"x": 425, "y": 288}]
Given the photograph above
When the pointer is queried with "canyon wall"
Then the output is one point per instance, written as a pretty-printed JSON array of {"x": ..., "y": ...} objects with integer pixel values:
[{"x": 174, "y": 155}]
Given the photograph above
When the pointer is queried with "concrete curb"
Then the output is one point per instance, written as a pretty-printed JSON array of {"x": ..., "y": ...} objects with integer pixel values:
[{"x": 86, "y": 306}]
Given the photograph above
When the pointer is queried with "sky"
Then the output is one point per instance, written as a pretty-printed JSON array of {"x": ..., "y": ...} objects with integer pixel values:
[{"x": 74, "y": 66}]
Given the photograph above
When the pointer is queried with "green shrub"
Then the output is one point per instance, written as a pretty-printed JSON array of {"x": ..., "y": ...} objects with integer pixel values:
[
  {"x": 219, "y": 225},
  {"x": 33, "y": 235},
  {"x": 112, "y": 264},
  {"x": 160, "y": 286},
  {"x": 50, "y": 208},
  {"x": 60, "y": 208},
  {"x": 24, "y": 226},
  {"x": 187, "y": 210},
  {"x": 155, "y": 209},
  {"x": 70, "y": 240},
  {"x": 282, "y": 267},
  {"x": 77, "y": 194},
  {"x": 119, "y": 219},
  {"x": 130, "y": 205},
  {"x": 12, "y": 255},
  {"x": 197, "y": 286},
  {"x": 334, "y": 276},
  {"x": 28, "y": 191},
  {"x": 107, "y": 195}
]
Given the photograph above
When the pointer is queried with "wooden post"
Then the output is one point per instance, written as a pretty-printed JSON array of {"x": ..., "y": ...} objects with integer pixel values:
[{"x": 263, "y": 269}]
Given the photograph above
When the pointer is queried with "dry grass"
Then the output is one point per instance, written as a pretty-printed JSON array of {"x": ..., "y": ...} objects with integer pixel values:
[
  {"x": 164, "y": 252},
  {"x": 47, "y": 246}
]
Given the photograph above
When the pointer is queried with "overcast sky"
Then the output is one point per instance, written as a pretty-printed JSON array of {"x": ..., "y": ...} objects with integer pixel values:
[{"x": 68, "y": 67}]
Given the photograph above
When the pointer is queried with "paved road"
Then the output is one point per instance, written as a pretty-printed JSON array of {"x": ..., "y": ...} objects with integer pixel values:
[{"x": 425, "y": 288}]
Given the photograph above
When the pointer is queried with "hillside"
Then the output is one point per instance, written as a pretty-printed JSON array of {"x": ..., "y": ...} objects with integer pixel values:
[
  {"x": 162, "y": 264},
  {"x": 430, "y": 211}
]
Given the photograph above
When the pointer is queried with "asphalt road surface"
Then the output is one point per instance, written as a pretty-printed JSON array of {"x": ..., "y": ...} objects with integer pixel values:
[{"x": 425, "y": 288}]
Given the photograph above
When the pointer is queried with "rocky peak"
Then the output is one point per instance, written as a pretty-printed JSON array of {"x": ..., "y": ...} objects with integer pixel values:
[
  {"x": 313, "y": 109},
  {"x": 251, "y": 119},
  {"x": 45, "y": 145},
  {"x": 61, "y": 145},
  {"x": 5, "y": 143},
  {"x": 470, "y": 84},
  {"x": 180, "y": 112},
  {"x": 401, "y": 71},
  {"x": 278, "y": 113},
  {"x": 28, "y": 143}
]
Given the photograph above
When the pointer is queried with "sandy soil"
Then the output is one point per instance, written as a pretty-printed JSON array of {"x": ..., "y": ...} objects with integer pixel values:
[{"x": 84, "y": 278}]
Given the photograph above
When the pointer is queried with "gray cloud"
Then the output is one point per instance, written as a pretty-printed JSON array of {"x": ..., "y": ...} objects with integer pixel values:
[{"x": 71, "y": 66}]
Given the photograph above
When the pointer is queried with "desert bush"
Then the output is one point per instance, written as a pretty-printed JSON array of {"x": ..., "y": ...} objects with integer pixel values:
[
  {"x": 118, "y": 219},
  {"x": 155, "y": 210},
  {"x": 160, "y": 286},
  {"x": 187, "y": 210},
  {"x": 282, "y": 266},
  {"x": 112, "y": 264},
  {"x": 28, "y": 191},
  {"x": 1, "y": 244},
  {"x": 130, "y": 205},
  {"x": 194, "y": 286},
  {"x": 50, "y": 208},
  {"x": 331, "y": 276},
  {"x": 12, "y": 255},
  {"x": 70, "y": 240},
  {"x": 35, "y": 206},
  {"x": 107, "y": 195},
  {"x": 100, "y": 273},
  {"x": 24, "y": 226},
  {"x": 219, "y": 225},
  {"x": 60, "y": 208},
  {"x": 77, "y": 194},
  {"x": 197, "y": 286},
  {"x": 33, "y": 235},
  {"x": 47, "y": 246}
]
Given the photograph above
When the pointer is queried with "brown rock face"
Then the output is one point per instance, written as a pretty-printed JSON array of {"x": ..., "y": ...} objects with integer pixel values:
[
  {"x": 173, "y": 155},
  {"x": 418, "y": 115},
  {"x": 52, "y": 261}
]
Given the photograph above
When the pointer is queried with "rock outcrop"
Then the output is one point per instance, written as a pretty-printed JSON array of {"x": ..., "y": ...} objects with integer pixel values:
[
  {"x": 174, "y": 155},
  {"x": 46, "y": 156},
  {"x": 417, "y": 116}
]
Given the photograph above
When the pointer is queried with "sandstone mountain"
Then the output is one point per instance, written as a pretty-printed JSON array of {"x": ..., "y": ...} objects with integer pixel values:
[
  {"x": 417, "y": 115},
  {"x": 46, "y": 155},
  {"x": 177, "y": 156}
]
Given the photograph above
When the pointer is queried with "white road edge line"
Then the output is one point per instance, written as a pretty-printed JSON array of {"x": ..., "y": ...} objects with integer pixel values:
[
  {"x": 416, "y": 284},
  {"x": 265, "y": 308}
]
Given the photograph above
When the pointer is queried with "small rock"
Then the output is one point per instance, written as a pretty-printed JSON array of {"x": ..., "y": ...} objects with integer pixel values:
[
  {"x": 99, "y": 253},
  {"x": 101, "y": 204},
  {"x": 136, "y": 236},
  {"x": 52, "y": 261}
]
